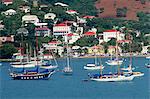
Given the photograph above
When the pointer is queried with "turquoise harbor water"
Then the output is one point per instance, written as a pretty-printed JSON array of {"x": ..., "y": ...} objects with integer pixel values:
[{"x": 60, "y": 86}]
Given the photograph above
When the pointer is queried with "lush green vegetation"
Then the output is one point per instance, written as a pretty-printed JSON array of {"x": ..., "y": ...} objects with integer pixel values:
[{"x": 7, "y": 50}]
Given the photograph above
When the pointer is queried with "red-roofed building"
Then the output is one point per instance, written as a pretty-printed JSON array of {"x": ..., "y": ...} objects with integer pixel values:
[
  {"x": 7, "y": 2},
  {"x": 42, "y": 31},
  {"x": 108, "y": 34},
  {"x": 124, "y": 41},
  {"x": 90, "y": 33},
  {"x": 61, "y": 29},
  {"x": 71, "y": 12},
  {"x": 88, "y": 17}
]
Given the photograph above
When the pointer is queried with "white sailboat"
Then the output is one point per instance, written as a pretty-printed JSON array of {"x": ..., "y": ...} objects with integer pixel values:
[
  {"x": 95, "y": 66},
  {"x": 48, "y": 65},
  {"x": 148, "y": 57},
  {"x": 112, "y": 77},
  {"x": 67, "y": 70},
  {"x": 129, "y": 69},
  {"x": 22, "y": 64}
]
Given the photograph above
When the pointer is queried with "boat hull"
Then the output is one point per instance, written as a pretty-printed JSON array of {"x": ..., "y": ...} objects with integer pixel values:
[
  {"x": 113, "y": 79},
  {"x": 114, "y": 62},
  {"x": 31, "y": 77},
  {"x": 93, "y": 68}
]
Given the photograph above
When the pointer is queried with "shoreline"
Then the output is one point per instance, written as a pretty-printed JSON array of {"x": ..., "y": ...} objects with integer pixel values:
[{"x": 126, "y": 56}]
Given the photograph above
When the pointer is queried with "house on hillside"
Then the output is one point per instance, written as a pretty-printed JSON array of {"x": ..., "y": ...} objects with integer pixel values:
[
  {"x": 71, "y": 37},
  {"x": 88, "y": 17},
  {"x": 5, "y": 39},
  {"x": 108, "y": 34},
  {"x": 72, "y": 12},
  {"x": 61, "y": 29},
  {"x": 54, "y": 47},
  {"x": 9, "y": 12},
  {"x": 42, "y": 31},
  {"x": 7, "y": 2},
  {"x": 25, "y": 9},
  {"x": 61, "y": 4},
  {"x": 1, "y": 25},
  {"x": 50, "y": 16},
  {"x": 30, "y": 19}
]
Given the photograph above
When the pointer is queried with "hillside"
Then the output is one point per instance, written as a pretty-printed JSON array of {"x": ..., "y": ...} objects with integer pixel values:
[{"x": 109, "y": 8}]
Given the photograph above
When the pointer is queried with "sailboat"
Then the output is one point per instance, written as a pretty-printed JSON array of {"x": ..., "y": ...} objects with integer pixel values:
[
  {"x": 148, "y": 57},
  {"x": 67, "y": 70},
  {"x": 112, "y": 77},
  {"x": 48, "y": 65},
  {"x": 114, "y": 61},
  {"x": 129, "y": 69},
  {"x": 147, "y": 65},
  {"x": 31, "y": 74},
  {"x": 95, "y": 66}
]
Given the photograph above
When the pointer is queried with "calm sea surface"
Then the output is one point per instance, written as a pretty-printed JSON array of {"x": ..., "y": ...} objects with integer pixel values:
[{"x": 60, "y": 86}]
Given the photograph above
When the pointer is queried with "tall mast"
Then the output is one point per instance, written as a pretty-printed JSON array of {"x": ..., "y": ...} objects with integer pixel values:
[
  {"x": 67, "y": 53},
  {"x": 95, "y": 55},
  {"x": 130, "y": 51},
  {"x": 27, "y": 52},
  {"x": 117, "y": 52},
  {"x": 36, "y": 49}
]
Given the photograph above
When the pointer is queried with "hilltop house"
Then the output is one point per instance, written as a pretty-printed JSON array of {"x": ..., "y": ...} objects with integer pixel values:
[
  {"x": 9, "y": 12},
  {"x": 42, "y": 31},
  {"x": 50, "y": 16},
  {"x": 25, "y": 9},
  {"x": 7, "y": 2},
  {"x": 1, "y": 25},
  {"x": 61, "y": 4},
  {"x": 88, "y": 17},
  {"x": 30, "y": 19},
  {"x": 71, "y": 12},
  {"x": 72, "y": 37},
  {"x": 108, "y": 34}
]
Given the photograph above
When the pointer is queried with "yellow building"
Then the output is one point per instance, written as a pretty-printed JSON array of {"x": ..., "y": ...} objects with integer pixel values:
[
  {"x": 112, "y": 50},
  {"x": 96, "y": 49}
]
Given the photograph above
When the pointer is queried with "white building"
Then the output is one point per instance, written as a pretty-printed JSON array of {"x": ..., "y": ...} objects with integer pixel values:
[
  {"x": 61, "y": 4},
  {"x": 42, "y": 31},
  {"x": 72, "y": 37},
  {"x": 145, "y": 49},
  {"x": 7, "y": 2},
  {"x": 54, "y": 46},
  {"x": 108, "y": 34},
  {"x": 30, "y": 19},
  {"x": 71, "y": 12},
  {"x": 25, "y": 9},
  {"x": 10, "y": 12},
  {"x": 50, "y": 16},
  {"x": 61, "y": 29}
]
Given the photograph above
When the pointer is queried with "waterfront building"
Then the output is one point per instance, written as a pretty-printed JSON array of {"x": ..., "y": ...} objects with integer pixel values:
[{"x": 99, "y": 50}]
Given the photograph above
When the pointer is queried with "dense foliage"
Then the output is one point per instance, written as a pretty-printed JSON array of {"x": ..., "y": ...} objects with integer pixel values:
[{"x": 7, "y": 50}]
